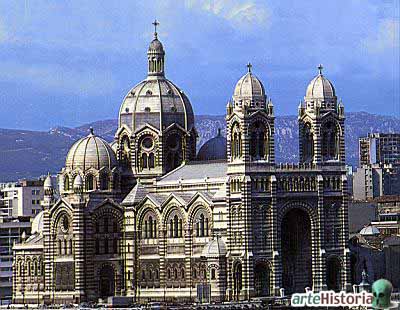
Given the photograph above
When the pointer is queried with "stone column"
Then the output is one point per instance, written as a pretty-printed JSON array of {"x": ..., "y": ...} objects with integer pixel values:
[
  {"x": 276, "y": 276},
  {"x": 318, "y": 241},
  {"x": 79, "y": 249}
]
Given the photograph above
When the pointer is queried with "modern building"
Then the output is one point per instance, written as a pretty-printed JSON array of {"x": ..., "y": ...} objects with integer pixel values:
[
  {"x": 146, "y": 220},
  {"x": 20, "y": 202},
  {"x": 21, "y": 198},
  {"x": 376, "y": 180},
  {"x": 379, "y": 148},
  {"x": 11, "y": 231}
]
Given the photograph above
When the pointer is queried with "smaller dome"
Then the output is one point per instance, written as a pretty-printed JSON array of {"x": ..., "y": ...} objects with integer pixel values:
[
  {"x": 156, "y": 46},
  {"x": 214, "y": 248},
  {"x": 91, "y": 152},
  {"x": 37, "y": 223},
  {"x": 48, "y": 183},
  {"x": 114, "y": 146},
  {"x": 320, "y": 87},
  {"x": 213, "y": 149},
  {"x": 78, "y": 182},
  {"x": 369, "y": 230},
  {"x": 249, "y": 87}
]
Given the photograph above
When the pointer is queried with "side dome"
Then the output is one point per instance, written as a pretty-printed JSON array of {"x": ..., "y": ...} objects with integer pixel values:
[
  {"x": 214, "y": 248},
  {"x": 250, "y": 90},
  {"x": 91, "y": 152},
  {"x": 369, "y": 230},
  {"x": 37, "y": 223},
  {"x": 320, "y": 87},
  {"x": 213, "y": 149}
]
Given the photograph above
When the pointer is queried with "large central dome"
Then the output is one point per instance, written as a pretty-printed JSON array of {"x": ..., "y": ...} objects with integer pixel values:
[{"x": 156, "y": 100}]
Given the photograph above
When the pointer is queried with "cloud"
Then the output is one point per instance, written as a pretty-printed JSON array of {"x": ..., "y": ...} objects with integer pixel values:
[
  {"x": 54, "y": 78},
  {"x": 241, "y": 13},
  {"x": 385, "y": 38}
]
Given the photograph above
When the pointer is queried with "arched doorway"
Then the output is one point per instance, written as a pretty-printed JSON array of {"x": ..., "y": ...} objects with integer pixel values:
[
  {"x": 333, "y": 270},
  {"x": 262, "y": 279},
  {"x": 107, "y": 281},
  {"x": 296, "y": 251},
  {"x": 237, "y": 280}
]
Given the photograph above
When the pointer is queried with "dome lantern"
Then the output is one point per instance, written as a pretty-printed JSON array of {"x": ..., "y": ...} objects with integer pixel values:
[{"x": 155, "y": 55}]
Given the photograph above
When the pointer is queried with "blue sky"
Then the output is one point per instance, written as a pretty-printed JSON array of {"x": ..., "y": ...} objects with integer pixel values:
[{"x": 71, "y": 62}]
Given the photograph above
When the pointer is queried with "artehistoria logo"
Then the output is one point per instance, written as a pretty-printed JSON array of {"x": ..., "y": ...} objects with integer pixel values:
[
  {"x": 380, "y": 298},
  {"x": 331, "y": 299}
]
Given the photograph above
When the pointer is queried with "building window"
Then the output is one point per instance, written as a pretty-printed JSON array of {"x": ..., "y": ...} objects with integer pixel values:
[
  {"x": 89, "y": 183},
  {"x": 212, "y": 274}
]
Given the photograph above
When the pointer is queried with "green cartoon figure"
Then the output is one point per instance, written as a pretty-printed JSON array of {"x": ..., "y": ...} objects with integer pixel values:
[{"x": 382, "y": 290}]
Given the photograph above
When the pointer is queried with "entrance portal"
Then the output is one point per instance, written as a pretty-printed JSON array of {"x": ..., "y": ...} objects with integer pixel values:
[
  {"x": 107, "y": 281},
  {"x": 296, "y": 251},
  {"x": 262, "y": 279}
]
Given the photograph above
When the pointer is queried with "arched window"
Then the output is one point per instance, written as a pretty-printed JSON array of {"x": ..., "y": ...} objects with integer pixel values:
[
  {"x": 89, "y": 182},
  {"x": 125, "y": 151},
  {"x": 236, "y": 142},
  {"x": 175, "y": 273},
  {"x": 151, "y": 160},
  {"x": 146, "y": 152},
  {"x": 174, "y": 151},
  {"x": 144, "y": 161},
  {"x": 103, "y": 181},
  {"x": 330, "y": 141},
  {"x": 259, "y": 142},
  {"x": 201, "y": 224},
  {"x": 176, "y": 226},
  {"x": 212, "y": 273},
  {"x": 182, "y": 273},
  {"x": 66, "y": 183},
  {"x": 308, "y": 144},
  {"x": 150, "y": 227}
]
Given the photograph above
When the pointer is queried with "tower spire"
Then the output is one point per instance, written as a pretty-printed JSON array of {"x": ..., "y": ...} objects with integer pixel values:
[{"x": 155, "y": 24}]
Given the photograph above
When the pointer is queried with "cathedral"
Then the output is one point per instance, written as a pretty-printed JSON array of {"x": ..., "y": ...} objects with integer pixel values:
[{"x": 146, "y": 217}]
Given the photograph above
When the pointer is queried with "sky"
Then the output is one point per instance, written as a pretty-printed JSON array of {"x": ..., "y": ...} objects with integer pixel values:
[{"x": 66, "y": 63}]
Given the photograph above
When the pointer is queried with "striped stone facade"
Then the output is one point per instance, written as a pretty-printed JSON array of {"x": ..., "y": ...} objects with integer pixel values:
[{"x": 230, "y": 229}]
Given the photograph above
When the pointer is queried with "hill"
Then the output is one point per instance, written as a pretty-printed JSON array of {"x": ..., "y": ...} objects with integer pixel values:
[{"x": 29, "y": 154}]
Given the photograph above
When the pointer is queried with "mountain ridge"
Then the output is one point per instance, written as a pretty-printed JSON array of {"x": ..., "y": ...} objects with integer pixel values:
[{"x": 29, "y": 154}]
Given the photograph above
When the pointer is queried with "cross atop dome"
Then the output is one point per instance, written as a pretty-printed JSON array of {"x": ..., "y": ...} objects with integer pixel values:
[
  {"x": 155, "y": 24},
  {"x": 320, "y": 67},
  {"x": 249, "y": 66}
]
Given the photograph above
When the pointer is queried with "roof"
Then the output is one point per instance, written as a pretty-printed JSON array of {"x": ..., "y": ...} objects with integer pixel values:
[
  {"x": 214, "y": 248},
  {"x": 155, "y": 101},
  {"x": 138, "y": 193},
  {"x": 37, "y": 223},
  {"x": 369, "y": 230},
  {"x": 197, "y": 170},
  {"x": 91, "y": 152},
  {"x": 250, "y": 87},
  {"x": 213, "y": 149},
  {"x": 320, "y": 87}
]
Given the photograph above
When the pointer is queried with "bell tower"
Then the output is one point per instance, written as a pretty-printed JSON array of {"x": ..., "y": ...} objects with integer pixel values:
[{"x": 321, "y": 124}]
